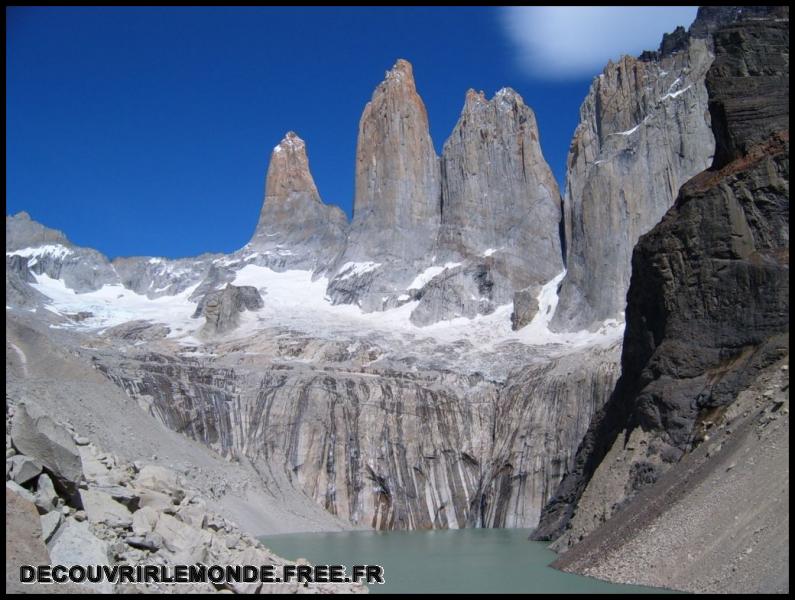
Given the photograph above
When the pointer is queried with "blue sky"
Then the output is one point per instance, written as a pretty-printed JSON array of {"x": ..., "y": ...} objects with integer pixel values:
[{"x": 147, "y": 131}]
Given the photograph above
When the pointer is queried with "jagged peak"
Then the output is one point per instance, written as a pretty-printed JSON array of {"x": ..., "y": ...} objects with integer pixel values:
[
  {"x": 474, "y": 99},
  {"x": 508, "y": 95},
  {"x": 290, "y": 142},
  {"x": 401, "y": 75},
  {"x": 401, "y": 68}
]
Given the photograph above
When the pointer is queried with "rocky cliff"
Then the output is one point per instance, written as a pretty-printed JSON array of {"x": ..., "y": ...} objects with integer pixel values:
[
  {"x": 644, "y": 130},
  {"x": 708, "y": 303}
]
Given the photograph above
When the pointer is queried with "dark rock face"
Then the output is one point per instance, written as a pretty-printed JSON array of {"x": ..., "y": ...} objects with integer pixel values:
[
  {"x": 708, "y": 304},
  {"x": 749, "y": 96},
  {"x": 222, "y": 308}
]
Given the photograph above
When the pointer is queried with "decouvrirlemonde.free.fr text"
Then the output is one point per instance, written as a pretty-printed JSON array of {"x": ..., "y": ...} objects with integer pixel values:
[{"x": 215, "y": 574}]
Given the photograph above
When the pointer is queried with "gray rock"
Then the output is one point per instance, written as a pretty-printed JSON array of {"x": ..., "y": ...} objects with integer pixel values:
[
  {"x": 48, "y": 252},
  {"x": 144, "y": 520},
  {"x": 185, "y": 541},
  {"x": 156, "y": 277},
  {"x": 525, "y": 306},
  {"x": 23, "y": 468},
  {"x": 102, "y": 508},
  {"x": 123, "y": 495},
  {"x": 161, "y": 479},
  {"x": 155, "y": 500},
  {"x": 221, "y": 309},
  {"x": 462, "y": 292},
  {"x": 149, "y": 541},
  {"x": 37, "y": 435},
  {"x": 193, "y": 514},
  {"x": 75, "y": 544},
  {"x": 17, "y": 489},
  {"x": 46, "y": 497},
  {"x": 49, "y": 524},
  {"x": 24, "y": 232}
]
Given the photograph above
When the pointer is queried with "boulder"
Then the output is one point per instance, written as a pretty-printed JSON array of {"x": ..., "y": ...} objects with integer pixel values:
[
  {"x": 221, "y": 308},
  {"x": 525, "y": 306},
  {"x": 75, "y": 544},
  {"x": 155, "y": 500},
  {"x": 144, "y": 520},
  {"x": 102, "y": 508},
  {"x": 24, "y": 545},
  {"x": 46, "y": 497},
  {"x": 162, "y": 480},
  {"x": 35, "y": 434},
  {"x": 123, "y": 495},
  {"x": 23, "y": 468},
  {"x": 187, "y": 543},
  {"x": 50, "y": 523},
  {"x": 150, "y": 541},
  {"x": 14, "y": 487}
]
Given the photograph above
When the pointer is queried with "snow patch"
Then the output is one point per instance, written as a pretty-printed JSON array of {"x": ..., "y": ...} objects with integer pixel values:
[
  {"x": 675, "y": 94},
  {"x": 114, "y": 304},
  {"x": 50, "y": 250}
]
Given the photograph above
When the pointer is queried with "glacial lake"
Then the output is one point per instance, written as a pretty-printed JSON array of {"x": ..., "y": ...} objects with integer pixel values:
[{"x": 460, "y": 561}]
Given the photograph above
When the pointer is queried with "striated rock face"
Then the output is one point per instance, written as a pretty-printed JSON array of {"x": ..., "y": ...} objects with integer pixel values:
[
  {"x": 294, "y": 224},
  {"x": 221, "y": 309},
  {"x": 392, "y": 446},
  {"x": 749, "y": 88},
  {"x": 644, "y": 130},
  {"x": 708, "y": 305},
  {"x": 499, "y": 197}
]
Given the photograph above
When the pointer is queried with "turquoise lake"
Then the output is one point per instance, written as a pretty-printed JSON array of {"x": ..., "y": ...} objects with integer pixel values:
[{"x": 453, "y": 561}]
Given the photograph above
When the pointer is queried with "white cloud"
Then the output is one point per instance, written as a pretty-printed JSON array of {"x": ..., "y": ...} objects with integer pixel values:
[{"x": 563, "y": 42}]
